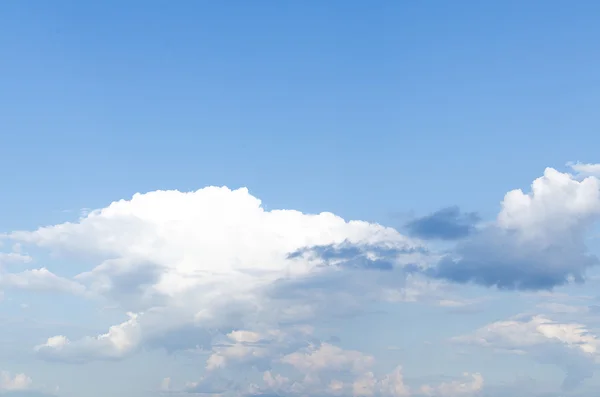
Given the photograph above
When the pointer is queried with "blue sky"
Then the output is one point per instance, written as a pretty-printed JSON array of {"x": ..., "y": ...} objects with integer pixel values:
[{"x": 415, "y": 118}]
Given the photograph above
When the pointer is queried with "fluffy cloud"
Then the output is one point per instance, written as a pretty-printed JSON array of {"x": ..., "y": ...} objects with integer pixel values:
[
  {"x": 569, "y": 345},
  {"x": 213, "y": 272},
  {"x": 328, "y": 370},
  {"x": 258, "y": 350},
  {"x": 329, "y": 358},
  {"x": 242, "y": 346},
  {"x": 9, "y": 382},
  {"x": 119, "y": 340},
  {"x": 537, "y": 241},
  {"x": 187, "y": 264},
  {"x": 39, "y": 280},
  {"x": 315, "y": 368}
]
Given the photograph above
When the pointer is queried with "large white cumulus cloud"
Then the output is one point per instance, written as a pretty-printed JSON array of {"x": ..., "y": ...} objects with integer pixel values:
[{"x": 213, "y": 259}]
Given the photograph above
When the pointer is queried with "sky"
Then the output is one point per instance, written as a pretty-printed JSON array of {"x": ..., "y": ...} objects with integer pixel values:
[{"x": 299, "y": 199}]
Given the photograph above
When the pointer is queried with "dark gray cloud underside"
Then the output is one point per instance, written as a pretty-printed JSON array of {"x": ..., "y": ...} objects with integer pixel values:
[
  {"x": 446, "y": 224},
  {"x": 353, "y": 256},
  {"x": 499, "y": 259}
]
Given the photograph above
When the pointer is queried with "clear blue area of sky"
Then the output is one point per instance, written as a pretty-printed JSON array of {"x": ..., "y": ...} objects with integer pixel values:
[{"x": 362, "y": 108}]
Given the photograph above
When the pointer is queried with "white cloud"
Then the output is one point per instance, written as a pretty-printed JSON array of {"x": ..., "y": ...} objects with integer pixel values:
[
  {"x": 569, "y": 345},
  {"x": 330, "y": 370},
  {"x": 367, "y": 384},
  {"x": 41, "y": 280},
  {"x": 472, "y": 384},
  {"x": 327, "y": 370},
  {"x": 250, "y": 348},
  {"x": 557, "y": 207},
  {"x": 537, "y": 241},
  {"x": 119, "y": 340},
  {"x": 329, "y": 357},
  {"x": 585, "y": 169},
  {"x": 518, "y": 335},
  {"x": 318, "y": 369},
  {"x": 393, "y": 384},
  {"x": 212, "y": 270},
  {"x": 9, "y": 382},
  {"x": 277, "y": 382},
  {"x": 13, "y": 257},
  {"x": 212, "y": 259}
]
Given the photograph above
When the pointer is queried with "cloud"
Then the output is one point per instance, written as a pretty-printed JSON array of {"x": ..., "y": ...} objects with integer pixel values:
[
  {"x": 445, "y": 224},
  {"x": 561, "y": 308},
  {"x": 40, "y": 280},
  {"x": 213, "y": 385},
  {"x": 189, "y": 266},
  {"x": 241, "y": 346},
  {"x": 119, "y": 339},
  {"x": 213, "y": 271},
  {"x": 354, "y": 256},
  {"x": 312, "y": 367},
  {"x": 537, "y": 241},
  {"x": 329, "y": 357},
  {"x": 584, "y": 169},
  {"x": 471, "y": 384},
  {"x": 568, "y": 345},
  {"x": 328, "y": 370},
  {"x": 9, "y": 382},
  {"x": 255, "y": 349},
  {"x": 13, "y": 257},
  {"x": 165, "y": 384}
]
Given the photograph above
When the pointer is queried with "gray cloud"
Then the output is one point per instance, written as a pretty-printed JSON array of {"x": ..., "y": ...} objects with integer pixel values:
[
  {"x": 445, "y": 224},
  {"x": 357, "y": 256},
  {"x": 499, "y": 258}
]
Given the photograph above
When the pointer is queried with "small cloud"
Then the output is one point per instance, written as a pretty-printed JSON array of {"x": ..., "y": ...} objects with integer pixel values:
[
  {"x": 165, "y": 385},
  {"x": 584, "y": 169},
  {"x": 9, "y": 382},
  {"x": 561, "y": 308},
  {"x": 451, "y": 303}
]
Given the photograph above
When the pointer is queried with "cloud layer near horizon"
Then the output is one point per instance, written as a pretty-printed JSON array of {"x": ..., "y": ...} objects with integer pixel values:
[{"x": 213, "y": 270}]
